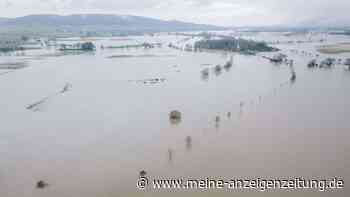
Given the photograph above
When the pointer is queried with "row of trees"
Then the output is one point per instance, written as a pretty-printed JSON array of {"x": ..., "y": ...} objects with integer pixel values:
[{"x": 238, "y": 45}]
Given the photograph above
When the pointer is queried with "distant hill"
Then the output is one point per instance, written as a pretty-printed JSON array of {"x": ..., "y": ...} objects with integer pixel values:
[{"x": 97, "y": 23}]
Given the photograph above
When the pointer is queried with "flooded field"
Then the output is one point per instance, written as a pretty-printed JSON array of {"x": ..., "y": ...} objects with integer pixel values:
[{"x": 88, "y": 123}]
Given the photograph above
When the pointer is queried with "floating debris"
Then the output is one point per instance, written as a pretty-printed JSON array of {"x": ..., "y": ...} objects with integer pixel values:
[
  {"x": 175, "y": 117},
  {"x": 41, "y": 184}
]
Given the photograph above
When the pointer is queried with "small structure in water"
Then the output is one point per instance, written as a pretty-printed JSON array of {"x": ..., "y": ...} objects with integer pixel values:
[
  {"x": 175, "y": 117},
  {"x": 41, "y": 184},
  {"x": 143, "y": 173}
]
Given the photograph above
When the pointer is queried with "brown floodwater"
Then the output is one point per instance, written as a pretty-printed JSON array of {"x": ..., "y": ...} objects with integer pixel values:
[{"x": 246, "y": 121}]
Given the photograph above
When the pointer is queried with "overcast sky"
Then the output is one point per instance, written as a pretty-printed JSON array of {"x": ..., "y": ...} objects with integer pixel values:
[{"x": 218, "y": 12}]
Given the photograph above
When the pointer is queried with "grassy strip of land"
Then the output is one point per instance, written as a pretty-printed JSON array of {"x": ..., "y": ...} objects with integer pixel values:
[
  {"x": 334, "y": 48},
  {"x": 13, "y": 65}
]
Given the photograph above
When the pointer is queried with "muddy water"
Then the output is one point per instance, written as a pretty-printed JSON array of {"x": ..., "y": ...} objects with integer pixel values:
[{"x": 94, "y": 139}]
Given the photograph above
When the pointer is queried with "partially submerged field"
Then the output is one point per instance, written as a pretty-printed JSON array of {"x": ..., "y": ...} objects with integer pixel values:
[
  {"x": 87, "y": 124},
  {"x": 334, "y": 48}
]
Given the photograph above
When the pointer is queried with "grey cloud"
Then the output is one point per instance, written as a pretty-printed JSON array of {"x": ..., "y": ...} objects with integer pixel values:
[{"x": 222, "y": 12}]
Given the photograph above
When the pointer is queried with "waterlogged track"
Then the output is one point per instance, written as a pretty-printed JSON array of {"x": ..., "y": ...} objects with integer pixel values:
[
  {"x": 36, "y": 106},
  {"x": 246, "y": 120}
]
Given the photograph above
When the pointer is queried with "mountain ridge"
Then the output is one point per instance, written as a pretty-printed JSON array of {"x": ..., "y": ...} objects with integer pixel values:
[{"x": 108, "y": 21}]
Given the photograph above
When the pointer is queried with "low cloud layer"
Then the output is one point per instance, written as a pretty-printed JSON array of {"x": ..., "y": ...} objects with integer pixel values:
[{"x": 219, "y": 12}]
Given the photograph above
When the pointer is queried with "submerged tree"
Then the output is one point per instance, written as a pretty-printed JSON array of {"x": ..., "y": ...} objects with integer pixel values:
[
  {"x": 41, "y": 184},
  {"x": 347, "y": 63},
  {"x": 175, "y": 117},
  {"x": 24, "y": 38},
  {"x": 188, "y": 143},
  {"x": 312, "y": 64},
  {"x": 233, "y": 44},
  {"x": 88, "y": 46},
  {"x": 328, "y": 62}
]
